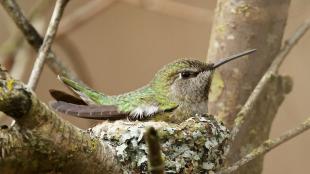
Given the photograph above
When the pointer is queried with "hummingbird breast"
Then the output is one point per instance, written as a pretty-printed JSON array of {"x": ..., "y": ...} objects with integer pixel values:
[{"x": 144, "y": 111}]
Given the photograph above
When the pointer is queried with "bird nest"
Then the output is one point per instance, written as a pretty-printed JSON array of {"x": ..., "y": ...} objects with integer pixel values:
[{"x": 196, "y": 145}]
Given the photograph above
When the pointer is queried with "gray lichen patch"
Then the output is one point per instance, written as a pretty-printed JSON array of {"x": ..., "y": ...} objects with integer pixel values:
[{"x": 196, "y": 145}]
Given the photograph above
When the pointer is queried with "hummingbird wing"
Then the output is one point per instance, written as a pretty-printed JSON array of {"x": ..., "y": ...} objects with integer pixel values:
[
  {"x": 136, "y": 105},
  {"x": 144, "y": 103},
  {"x": 87, "y": 94}
]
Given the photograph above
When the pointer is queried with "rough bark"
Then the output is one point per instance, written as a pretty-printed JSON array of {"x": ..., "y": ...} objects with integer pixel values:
[
  {"x": 53, "y": 144},
  {"x": 240, "y": 25}
]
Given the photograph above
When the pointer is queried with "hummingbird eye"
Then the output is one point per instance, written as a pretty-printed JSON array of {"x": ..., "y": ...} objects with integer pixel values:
[{"x": 188, "y": 74}]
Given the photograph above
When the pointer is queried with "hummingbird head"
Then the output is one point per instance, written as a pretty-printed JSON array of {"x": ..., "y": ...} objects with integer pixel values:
[
  {"x": 188, "y": 81},
  {"x": 185, "y": 80}
]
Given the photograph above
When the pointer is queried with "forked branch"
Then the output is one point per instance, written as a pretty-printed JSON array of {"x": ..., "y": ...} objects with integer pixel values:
[
  {"x": 33, "y": 37},
  {"x": 268, "y": 146},
  {"x": 289, "y": 44}
]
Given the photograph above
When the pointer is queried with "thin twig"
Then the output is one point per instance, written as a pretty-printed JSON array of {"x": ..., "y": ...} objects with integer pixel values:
[
  {"x": 33, "y": 37},
  {"x": 47, "y": 43},
  {"x": 83, "y": 15},
  {"x": 290, "y": 43},
  {"x": 14, "y": 50},
  {"x": 268, "y": 146},
  {"x": 155, "y": 160},
  {"x": 248, "y": 106}
]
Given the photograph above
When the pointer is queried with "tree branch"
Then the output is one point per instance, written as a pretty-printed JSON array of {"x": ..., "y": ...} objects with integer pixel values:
[
  {"x": 239, "y": 26},
  {"x": 47, "y": 43},
  {"x": 249, "y": 105},
  {"x": 53, "y": 144},
  {"x": 268, "y": 146},
  {"x": 155, "y": 161},
  {"x": 260, "y": 90},
  {"x": 33, "y": 37},
  {"x": 290, "y": 44}
]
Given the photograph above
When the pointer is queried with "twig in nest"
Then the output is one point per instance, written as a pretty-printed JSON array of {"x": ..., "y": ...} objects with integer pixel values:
[{"x": 155, "y": 160}]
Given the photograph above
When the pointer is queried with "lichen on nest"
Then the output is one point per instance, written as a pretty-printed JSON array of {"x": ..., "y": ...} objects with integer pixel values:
[{"x": 195, "y": 146}]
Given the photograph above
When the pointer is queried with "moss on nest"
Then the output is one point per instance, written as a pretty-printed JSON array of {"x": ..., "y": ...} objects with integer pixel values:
[{"x": 196, "y": 145}]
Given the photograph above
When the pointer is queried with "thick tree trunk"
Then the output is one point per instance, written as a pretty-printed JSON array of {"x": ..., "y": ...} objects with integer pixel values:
[{"x": 241, "y": 25}]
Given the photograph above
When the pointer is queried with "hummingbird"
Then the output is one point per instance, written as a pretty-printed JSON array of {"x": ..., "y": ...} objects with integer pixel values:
[{"x": 178, "y": 90}]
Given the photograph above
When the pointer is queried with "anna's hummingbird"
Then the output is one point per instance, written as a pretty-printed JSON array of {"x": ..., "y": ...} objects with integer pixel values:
[{"x": 179, "y": 90}]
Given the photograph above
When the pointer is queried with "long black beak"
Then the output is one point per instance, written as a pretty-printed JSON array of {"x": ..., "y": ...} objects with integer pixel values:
[{"x": 233, "y": 57}]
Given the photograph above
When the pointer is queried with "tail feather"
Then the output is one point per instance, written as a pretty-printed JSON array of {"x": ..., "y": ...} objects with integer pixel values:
[
  {"x": 99, "y": 112},
  {"x": 62, "y": 96}
]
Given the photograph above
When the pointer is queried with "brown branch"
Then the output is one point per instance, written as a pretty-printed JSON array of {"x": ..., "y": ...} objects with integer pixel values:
[
  {"x": 268, "y": 146},
  {"x": 155, "y": 160},
  {"x": 33, "y": 37},
  {"x": 260, "y": 90},
  {"x": 246, "y": 109},
  {"x": 175, "y": 9},
  {"x": 47, "y": 43},
  {"x": 47, "y": 138},
  {"x": 73, "y": 21},
  {"x": 289, "y": 44}
]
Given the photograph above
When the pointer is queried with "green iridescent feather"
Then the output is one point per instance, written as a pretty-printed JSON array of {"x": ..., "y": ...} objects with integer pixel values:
[{"x": 125, "y": 102}]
